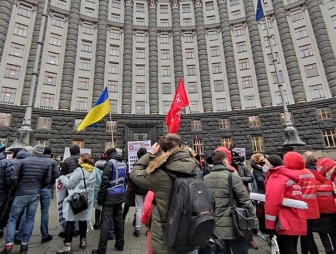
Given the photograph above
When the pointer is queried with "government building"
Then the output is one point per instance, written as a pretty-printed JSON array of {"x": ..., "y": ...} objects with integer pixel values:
[{"x": 56, "y": 57}]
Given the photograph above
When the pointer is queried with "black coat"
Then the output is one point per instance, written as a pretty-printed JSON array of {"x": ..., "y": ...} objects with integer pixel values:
[
  {"x": 69, "y": 164},
  {"x": 259, "y": 176}
]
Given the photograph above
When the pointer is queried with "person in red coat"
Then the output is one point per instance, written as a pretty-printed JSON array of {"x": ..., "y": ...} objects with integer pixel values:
[
  {"x": 295, "y": 162},
  {"x": 287, "y": 222},
  {"x": 146, "y": 216}
]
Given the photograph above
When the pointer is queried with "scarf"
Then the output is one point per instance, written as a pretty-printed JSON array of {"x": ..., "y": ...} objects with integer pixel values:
[{"x": 88, "y": 167}]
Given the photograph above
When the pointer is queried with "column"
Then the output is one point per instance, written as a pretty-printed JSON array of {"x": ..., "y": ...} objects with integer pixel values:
[
  {"x": 229, "y": 58},
  {"x": 99, "y": 72},
  {"x": 6, "y": 7},
  {"x": 323, "y": 43},
  {"x": 289, "y": 52},
  {"x": 153, "y": 59},
  {"x": 203, "y": 57},
  {"x": 128, "y": 59},
  {"x": 70, "y": 56}
]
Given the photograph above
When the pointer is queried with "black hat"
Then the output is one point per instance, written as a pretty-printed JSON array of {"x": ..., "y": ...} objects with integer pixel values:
[
  {"x": 275, "y": 160},
  {"x": 47, "y": 150},
  {"x": 142, "y": 151}
]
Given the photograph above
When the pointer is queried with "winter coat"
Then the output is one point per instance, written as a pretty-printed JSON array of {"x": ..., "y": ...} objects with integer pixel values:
[
  {"x": 6, "y": 178},
  {"x": 218, "y": 182},
  {"x": 148, "y": 173},
  {"x": 283, "y": 183},
  {"x": 75, "y": 184},
  {"x": 110, "y": 194},
  {"x": 130, "y": 195},
  {"x": 245, "y": 174},
  {"x": 99, "y": 173},
  {"x": 259, "y": 177},
  {"x": 146, "y": 216},
  {"x": 69, "y": 164}
]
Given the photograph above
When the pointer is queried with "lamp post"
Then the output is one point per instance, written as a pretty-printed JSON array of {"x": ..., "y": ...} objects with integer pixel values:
[
  {"x": 291, "y": 135},
  {"x": 25, "y": 137}
]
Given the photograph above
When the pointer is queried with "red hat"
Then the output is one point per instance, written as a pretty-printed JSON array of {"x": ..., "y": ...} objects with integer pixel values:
[
  {"x": 226, "y": 151},
  {"x": 323, "y": 165},
  {"x": 293, "y": 160}
]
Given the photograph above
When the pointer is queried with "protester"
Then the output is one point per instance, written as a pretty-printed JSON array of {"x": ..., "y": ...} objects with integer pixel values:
[
  {"x": 217, "y": 181},
  {"x": 259, "y": 171},
  {"x": 281, "y": 183},
  {"x": 75, "y": 184},
  {"x": 146, "y": 217},
  {"x": 148, "y": 172},
  {"x": 111, "y": 196}
]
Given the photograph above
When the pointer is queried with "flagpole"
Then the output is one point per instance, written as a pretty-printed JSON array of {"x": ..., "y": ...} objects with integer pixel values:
[{"x": 112, "y": 130}]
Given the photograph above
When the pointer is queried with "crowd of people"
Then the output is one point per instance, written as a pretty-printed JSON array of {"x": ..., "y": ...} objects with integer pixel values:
[{"x": 110, "y": 189}]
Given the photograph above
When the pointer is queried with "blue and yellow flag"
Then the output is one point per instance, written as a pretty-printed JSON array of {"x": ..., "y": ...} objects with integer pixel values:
[
  {"x": 100, "y": 109},
  {"x": 259, "y": 12}
]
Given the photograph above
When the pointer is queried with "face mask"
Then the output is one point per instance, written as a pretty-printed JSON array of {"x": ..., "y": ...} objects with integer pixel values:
[
  {"x": 261, "y": 163},
  {"x": 265, "y": 168}
]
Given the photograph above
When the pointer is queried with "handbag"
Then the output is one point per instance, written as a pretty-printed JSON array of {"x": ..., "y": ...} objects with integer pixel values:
[
  {"x": 242, "y": 220},
  {"x": 79, "y": 201}
]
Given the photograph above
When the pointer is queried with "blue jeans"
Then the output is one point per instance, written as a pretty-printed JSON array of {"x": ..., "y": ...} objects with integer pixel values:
[
  {"x": 21, "y": 203},
  {"x": 45, "y": 197}
]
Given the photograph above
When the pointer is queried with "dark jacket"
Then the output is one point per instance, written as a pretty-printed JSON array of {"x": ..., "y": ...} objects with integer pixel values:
[
  {"x": 55, "y": 172},
  {"x": 245, "y": 174},
  {"x": 69, "y": 164},
  {"x": 6, "y": 180},
  {"x": 259, "y": 176},
  {"x": 105, "y": 198}
]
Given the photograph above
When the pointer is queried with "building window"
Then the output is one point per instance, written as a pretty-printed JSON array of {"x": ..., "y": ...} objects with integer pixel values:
[
  {"x": 196, "y": 125},
  {"x": 301, "y": 32},
  {"x": 16, "y": 50},
  {"x": 20, "y": 30},
  {"x": 50, "y": 78},
  {"x": 278, "y": 98},
  {"x": 244, "y": 64},
  {"x": 60, "y": 4},
  {"x": 115, "y": 18},
  {"x": 5, "y": 119},
  {"x": 47, "y": 100},
  {"x": 234, "y": 2},
  {"x": 166, "y": 88},
  {"x": 306, "y": 50},
  {"x": 323, "y": 113},
  {"x": 198, "y": 146},
  {"x": 164, "y": 38},
  {"x": 250, "y": 101},
  {"x": 83, "y": 83},
  {"x": 311, "y": 70},
  {"x": 115, "y": 34},
  {"x": 140, "y": 37},
  {"x": 140, "y": 7},
  {"x": 188, "y": 38},
  {"x": 164, "y": 22},
  {"x": 55, "y": 39},
  {"x": 53, "y": 58},
  {"x": 87, "y": 29},
  {"x": 216, "y": 68},
  {"x": 140, "y": 53},
  {"x": 113, "y": 106},
  {"x": 254, "y": 121},
  {"x": 85, "y": 64},
  {"x": 275, "y": 77},
  {"x": 283, "y": 120},
  {"x": 165, "y": 71},
  {"x": 116, "y": 4},
  {"x": 111, "y": 125},
  {"x": 186, "y": 8},
  {"x": 114, "y": 68},
  {"x": 329, "y": 138},
  {"x": 247, "y": 82},
  {"x": 44, "y": 123},
  {"x": 140, "y": 21},
  {"x": 219, "y": 85},
  {"x": 80, "y": 143},
  {"x": 296, "y": 15},
  {"x": 271, "y": 59},
  {"x": 209, "y": 6},
  {"x": 140, "y": 107},
  {"x": 163, "y": 9},
  {"x": 89, "y": 12},
  {"x": 42, "y": 142},
  {"x": 139, "y": 87},
  {"x": 224, "y": 123},
  {"x": 82, "y": 104},
  {"x": 263, "y": 24},
  {"x": 191, "y": 70},
  {"x": 194, "y": 106},
  {"x": 58, "y": 21},
  {"x": 268, "y": 39},
  {"x": 236, "y": 14},
  {"x": 238, "y": 31},
  {"x": 187, "y": 22},
  {"x": 12, "y": 71},
  {"x": 86, "y": 46},
  {"x": 211, "y": 19},
  {"x": 316, "y": 92},
  {"x": 213, "y": 35},
  {"x": 113, "y": 86},
  {"x": 257, "y": 144},
  {"x": 214, "y": 51},
  {"x": 140, "y": 70},
  {"x": 7, "y": 95},
  {"x": 165, "y": 107},
  {"x": 114, "y": 50},
  {"x": 77, "y": 123},
  {"x": 189, "y": 53},
  {"x": 192, "y": 87},
  {"x": 165, "y": 54},
  {"x": 241, "y": 47},
  {"x": 221, "y": 105},
  {"x": 25, "y": 11},
  {"x": 226, "y": 142}
]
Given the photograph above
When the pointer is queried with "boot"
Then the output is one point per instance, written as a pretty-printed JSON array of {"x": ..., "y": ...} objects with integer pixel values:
[
  {"x": 97, "y": 219},
  {"x": 66, "y": 249},
  {"x": 82, "y": 243},
  {"x": 24, "y": 249}
]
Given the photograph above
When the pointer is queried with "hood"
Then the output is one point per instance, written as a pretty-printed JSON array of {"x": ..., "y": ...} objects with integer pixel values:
[
  {"x": 284, "y": 171},
  {"x": 22, "y": 154},
  {"x": 226, "y": 151},
  {"x": 74, "y": 149},
  {"x": 115, "y": 156},
  {"x": 100, "y": 164},
  {"x": 294, "y": 160}
]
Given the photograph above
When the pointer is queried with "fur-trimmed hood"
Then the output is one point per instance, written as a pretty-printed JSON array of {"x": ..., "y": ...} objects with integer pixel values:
[{"x": 177, "y": 159}]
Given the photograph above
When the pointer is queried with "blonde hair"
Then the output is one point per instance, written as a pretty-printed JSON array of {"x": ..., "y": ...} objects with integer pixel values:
[{"x": 256, "y": 157}]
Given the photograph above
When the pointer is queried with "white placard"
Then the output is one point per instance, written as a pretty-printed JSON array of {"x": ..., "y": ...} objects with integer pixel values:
[
  {"x": 133, "y": 147},
  {"x": 285, "y": 202},
  {"x": 61, "y": 192}
]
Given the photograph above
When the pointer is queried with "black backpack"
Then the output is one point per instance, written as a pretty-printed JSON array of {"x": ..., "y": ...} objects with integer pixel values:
[{"x": 190, "y": 219}]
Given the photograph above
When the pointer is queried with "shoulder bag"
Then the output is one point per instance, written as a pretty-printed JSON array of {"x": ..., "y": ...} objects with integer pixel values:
[{"x": 79, "y": 201}]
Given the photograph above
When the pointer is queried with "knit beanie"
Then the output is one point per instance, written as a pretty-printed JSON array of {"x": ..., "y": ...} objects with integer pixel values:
[
  {"x": 293, "y": 160},
  {"x": 275, "y": 160},
  {"x": 323, "y": 165},
  {"x": 39, "y": 149}
]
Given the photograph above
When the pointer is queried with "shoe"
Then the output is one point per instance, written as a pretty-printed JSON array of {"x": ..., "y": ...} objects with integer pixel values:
[
  {"x": 119, "y": 247},
  {"x": 75, "y": 234},
  {"x": 17, "y": 241},
  {"x": 136, "y": 232},
  {"x": 7, "y": 249},
  {"x": 82, "y": 243},
  {"x": 47, "y": 239},
  {"x": 24, "y": 249},
  {"x": 66, "y": 249},
  {"x": 253, "y": 245},
  {"x": 61, "y": 234},
  {"x": 111, "y": 237}
]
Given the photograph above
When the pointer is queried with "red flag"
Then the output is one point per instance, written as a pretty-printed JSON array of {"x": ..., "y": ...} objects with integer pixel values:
[{"x": 174, "y": 114}]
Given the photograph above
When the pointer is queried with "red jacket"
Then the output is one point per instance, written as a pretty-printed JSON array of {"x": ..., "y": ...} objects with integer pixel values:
[
  {"x": 282, "y": 183},
  {"x": 146, "y": 216},
  {"x": 325, "y": 193}
]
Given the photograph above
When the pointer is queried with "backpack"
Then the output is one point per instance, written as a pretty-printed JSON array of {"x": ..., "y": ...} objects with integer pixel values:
[{"x": 190, "y": 219}]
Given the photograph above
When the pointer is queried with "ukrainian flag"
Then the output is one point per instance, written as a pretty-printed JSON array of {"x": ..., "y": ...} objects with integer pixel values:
[{"x": 100, "y": 109}]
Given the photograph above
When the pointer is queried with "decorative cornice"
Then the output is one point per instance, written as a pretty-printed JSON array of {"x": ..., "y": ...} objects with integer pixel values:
[
  {"x": 129, "y": 3},
  {"x": 175, "y": 4},
  {"x": 198, "y": 3},
  {"x": 152, "y": 4},
  {"x": 221, "y": 1}
]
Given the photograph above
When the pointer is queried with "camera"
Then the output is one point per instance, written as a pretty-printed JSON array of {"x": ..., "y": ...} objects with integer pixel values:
[{"x": 237, "y": 159}]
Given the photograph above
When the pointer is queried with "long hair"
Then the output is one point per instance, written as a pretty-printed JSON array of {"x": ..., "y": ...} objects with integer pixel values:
[{"x": 170, "y": 141}]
